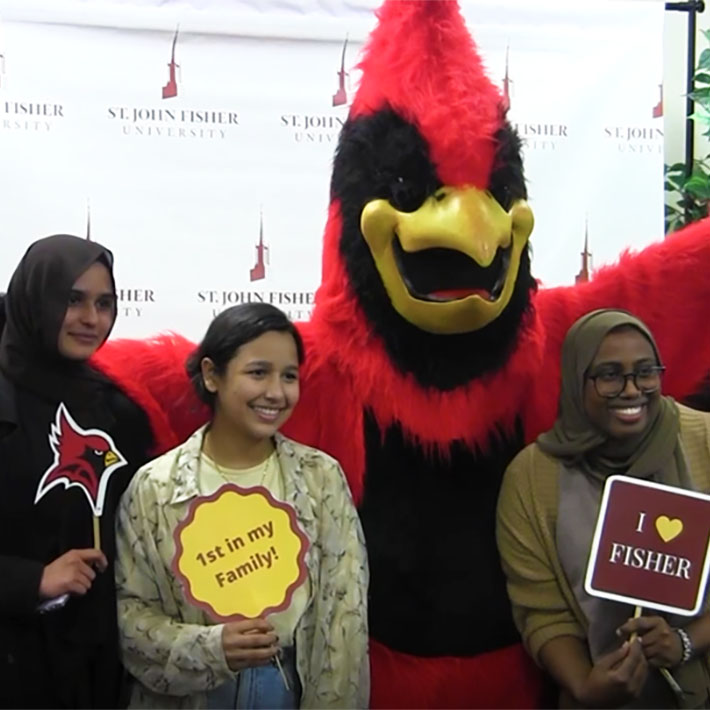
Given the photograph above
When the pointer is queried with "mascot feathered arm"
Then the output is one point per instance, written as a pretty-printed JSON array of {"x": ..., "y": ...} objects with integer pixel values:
[
  {"x": 152, "y": 372},
  {"x": 327, "y": 415},
  {"x": 667, "y": 285}
]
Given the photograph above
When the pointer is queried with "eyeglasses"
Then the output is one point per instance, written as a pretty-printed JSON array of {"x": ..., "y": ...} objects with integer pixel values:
[{"x": 612, "y": 384}]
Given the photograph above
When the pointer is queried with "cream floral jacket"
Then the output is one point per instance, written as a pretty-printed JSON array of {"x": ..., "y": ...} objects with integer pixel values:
[{"x": 174, "y": 650}]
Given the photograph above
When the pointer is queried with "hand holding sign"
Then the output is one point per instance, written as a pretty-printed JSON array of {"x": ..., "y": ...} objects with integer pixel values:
[
  {"x": 661, "y": 644},
  {"x": 248, "y": 643},
  {"x": 616, "y": 678},
  {"x": 71, "y": 573}
]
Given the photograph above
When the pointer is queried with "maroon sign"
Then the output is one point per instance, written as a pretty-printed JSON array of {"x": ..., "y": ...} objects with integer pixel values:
[{"x": 650, "y": 546}]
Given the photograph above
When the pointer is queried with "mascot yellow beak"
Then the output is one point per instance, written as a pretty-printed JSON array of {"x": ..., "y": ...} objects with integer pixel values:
[
  {"x": 450, "y": 266},
  {"x": 110, "y": 458}
]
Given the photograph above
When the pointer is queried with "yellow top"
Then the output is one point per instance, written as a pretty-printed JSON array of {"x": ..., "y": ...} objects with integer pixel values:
[{"x": 269, "y": 475}]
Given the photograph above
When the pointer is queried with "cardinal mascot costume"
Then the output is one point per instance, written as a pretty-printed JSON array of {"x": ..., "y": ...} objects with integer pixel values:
[{"x": 432, "y": 357}]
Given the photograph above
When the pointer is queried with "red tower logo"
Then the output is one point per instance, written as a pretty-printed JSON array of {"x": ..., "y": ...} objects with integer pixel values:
[
  {"x": 584, "y": 274},
  {"x": 507, "y": 81},
  {"x": 259, "y": 270},
  {"x": 658, "y": 108},
  {"x": 171, "y": 88},
  {"x": 340, "y": 97}
]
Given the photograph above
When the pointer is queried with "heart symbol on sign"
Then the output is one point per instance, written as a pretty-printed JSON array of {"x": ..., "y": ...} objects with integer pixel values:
[{"x": 668, "y": 529}]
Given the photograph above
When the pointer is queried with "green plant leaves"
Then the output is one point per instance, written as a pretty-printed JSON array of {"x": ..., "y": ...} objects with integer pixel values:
[
  {"x": 699, "y": 187},
  {"x": 688, "y": 197}
]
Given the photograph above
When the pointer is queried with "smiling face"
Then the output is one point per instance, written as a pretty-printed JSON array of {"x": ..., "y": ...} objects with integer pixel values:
[
  {"x": 90, "y": 314},
  {"x": 629, "y": 413},
  {"x": 259, "y": 388}
]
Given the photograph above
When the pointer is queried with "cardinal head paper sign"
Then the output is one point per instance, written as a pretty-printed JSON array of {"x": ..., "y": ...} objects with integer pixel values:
[
  {"x": 650, "y": 546},
  {"x": 240, "y": 553},
  {"x": 84, "y": 458}
]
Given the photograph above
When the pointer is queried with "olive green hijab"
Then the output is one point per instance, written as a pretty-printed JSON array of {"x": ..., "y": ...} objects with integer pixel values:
[{"x": 576, "y": 441}]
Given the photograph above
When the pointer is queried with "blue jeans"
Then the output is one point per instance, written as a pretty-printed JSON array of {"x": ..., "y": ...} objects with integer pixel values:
[{"x": 260, "y": 688}]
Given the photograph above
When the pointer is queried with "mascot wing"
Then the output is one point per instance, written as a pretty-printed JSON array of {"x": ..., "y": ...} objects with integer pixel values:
[{"x": 666, "y": 285}]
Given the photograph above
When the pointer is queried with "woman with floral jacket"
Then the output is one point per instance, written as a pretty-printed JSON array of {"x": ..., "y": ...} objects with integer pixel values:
[{"x": 246, "y": 370}]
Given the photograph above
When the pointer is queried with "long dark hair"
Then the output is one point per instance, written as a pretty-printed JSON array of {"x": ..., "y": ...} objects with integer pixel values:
[{"x": 231, "y": 329}]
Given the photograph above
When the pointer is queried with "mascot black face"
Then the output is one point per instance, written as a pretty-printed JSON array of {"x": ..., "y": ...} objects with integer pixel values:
[{"x": 415, "y": 298}]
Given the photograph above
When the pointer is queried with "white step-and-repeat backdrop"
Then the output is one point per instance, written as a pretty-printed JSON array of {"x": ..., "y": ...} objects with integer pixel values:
[{"x": 195, "y": 137}]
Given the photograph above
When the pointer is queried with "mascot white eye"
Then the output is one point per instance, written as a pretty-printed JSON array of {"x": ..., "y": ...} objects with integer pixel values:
[{"x": 97, "y": 452}]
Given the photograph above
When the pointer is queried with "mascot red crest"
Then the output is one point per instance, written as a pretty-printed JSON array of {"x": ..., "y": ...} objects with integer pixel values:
[
  {"x": 82, "y": 457},
  {"x": 456, "y": 110}
]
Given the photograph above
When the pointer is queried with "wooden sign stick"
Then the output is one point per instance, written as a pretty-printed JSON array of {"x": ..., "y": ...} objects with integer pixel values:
[
  {"x": 97, "y": 532},
  {"x": 637, "y": 613},
  {"x": 664, "y": 671}
]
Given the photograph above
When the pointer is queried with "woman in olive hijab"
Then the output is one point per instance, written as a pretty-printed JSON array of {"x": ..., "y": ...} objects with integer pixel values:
[
  {"x": 612, "y": 419},
  {"x": 69, "y": 442}
]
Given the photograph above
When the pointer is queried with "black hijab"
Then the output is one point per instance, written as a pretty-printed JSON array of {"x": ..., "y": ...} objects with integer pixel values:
[{"x": 35, "y": 306}]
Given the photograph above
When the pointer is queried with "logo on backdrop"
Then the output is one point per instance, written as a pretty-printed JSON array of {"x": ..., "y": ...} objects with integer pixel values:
[
  {"x": 258, "y": 272},
  {"x": 134, "y": 302},
  {"x": 541, "y": 136},
  {"x": 30, "y": 115},
  {"x": 23, "y": 114},
  {"x": 176, "y": 122},
  {"x": 298, "y": 305},
  {"x": 171, "y": 88},
  {"x": 173, "y": 123},
  {"x": 130, "y": 302},
  {"x": 657, "y": 111},
  {"x": 535, "y": 135},
  {"x": 311, "y": 128},
  {"x": 340, "y": 97},
  {"x": 82, "y": 457},
  {"x": 644, "y": 138},
  {"x": 88, "y": 220},
  {"x": 507, "y": 81},
  {"x": 585, "y": 273}
]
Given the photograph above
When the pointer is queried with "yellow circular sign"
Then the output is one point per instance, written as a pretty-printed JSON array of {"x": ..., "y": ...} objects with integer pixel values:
[{"x": 240, "y": 553}]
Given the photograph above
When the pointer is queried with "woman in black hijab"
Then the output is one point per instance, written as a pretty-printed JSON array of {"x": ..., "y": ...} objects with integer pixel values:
[{"x": 70, "y": 441}]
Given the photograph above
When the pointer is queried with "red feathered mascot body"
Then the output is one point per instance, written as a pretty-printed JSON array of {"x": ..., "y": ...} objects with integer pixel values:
[{"x": 431, "y": 357}]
